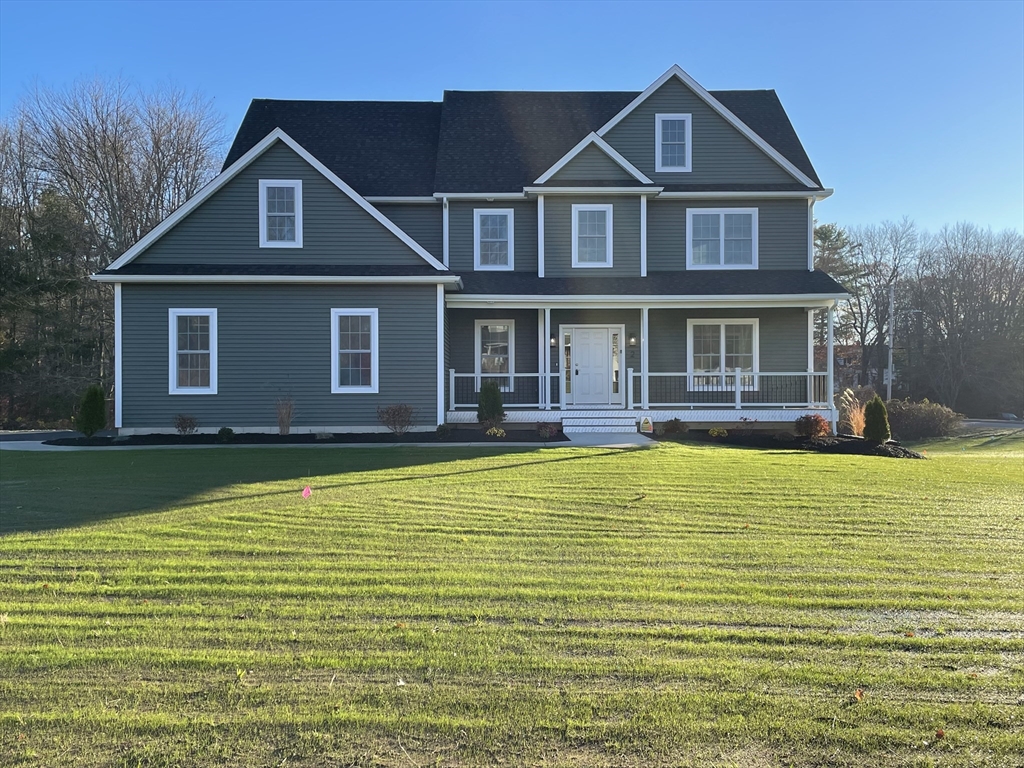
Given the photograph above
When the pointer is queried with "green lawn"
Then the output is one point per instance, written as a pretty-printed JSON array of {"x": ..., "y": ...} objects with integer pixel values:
[{"x": 684, "y": 605}]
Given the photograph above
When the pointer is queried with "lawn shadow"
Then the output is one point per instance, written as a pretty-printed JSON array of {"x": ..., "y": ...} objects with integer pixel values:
[{"x": 42, "y": 492}]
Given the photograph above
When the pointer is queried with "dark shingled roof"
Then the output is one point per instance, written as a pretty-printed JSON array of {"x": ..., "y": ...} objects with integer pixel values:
[
  {"x": 736, "y": 282},
  {"x": 473, "y": 141}
]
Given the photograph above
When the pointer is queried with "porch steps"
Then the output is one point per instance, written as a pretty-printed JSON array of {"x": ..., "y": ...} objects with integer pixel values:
[{"x": 576, "y": 424}]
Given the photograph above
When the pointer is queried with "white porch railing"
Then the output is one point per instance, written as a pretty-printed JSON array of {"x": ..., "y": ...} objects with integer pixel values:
[{"x": 735, "y": 389}]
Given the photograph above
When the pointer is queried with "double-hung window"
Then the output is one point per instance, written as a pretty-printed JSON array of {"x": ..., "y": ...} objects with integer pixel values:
[
  {"x": 192, "y": 341},
  {"x": 717, "y": 348},
  {"x": 723, "y": 238},
  {"x": 592, "y": 235},
  {"x": 494, "y": 238},
  {"x": 495, "y": 352},
  {"x": 354, "y": 353},
  {"x": 672, "y": 143},
  {"x": 280, "y": 213}
]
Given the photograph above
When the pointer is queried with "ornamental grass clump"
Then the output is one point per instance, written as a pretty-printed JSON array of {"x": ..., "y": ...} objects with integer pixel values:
[
  {"x": 851, "y": 409},
  {"x": 92, "y": 413},
  {"x": 876, "y": 421}
]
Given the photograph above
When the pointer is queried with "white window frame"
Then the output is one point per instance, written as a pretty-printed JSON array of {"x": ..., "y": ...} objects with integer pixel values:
[
  {"x": 478, "y": 349},
  {"x": 721, "y": 212},
  {"x": 172, "y": 327},
  {"x": 297, "y": 186},
  {"x": 511, "y": 214},
  {"x": 578, "y": 208},
  {"x": 659, "y": 167},
  {"x": 374, "y": 386},
  {"x": 722, "y": 322}
]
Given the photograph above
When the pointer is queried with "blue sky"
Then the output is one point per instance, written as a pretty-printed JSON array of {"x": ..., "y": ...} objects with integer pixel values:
[{"x": 906, "y": 108}]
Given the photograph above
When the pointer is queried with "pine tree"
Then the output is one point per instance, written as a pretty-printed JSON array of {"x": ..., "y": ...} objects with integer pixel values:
[{"x": 876, "y": 421}]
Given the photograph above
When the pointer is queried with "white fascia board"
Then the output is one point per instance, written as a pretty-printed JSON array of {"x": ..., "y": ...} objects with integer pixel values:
[
  {"x": 245, "y": 160},
  {"x": 336, "y": 280},
  {"x": 485, "y": 301},
  {"x": 605, "y": 147},
  {"x": 818, "y": 194},
  {"x": 676, "y": 71},
  {"x": 480, "y": 195},
  {"x": 593, "y": 190}
]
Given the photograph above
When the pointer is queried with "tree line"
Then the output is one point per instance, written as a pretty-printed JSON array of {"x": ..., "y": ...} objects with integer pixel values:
[{"x": 87, "y": 171}]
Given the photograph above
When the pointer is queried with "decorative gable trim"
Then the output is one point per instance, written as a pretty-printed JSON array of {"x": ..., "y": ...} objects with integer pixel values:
[
  {"x": 676, "y": 71},
  {"x": 605, "y": 147},
  {"x": 245, "y": 160}
]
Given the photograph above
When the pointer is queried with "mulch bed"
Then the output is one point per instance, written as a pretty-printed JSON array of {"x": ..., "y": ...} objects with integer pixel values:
[
  {"x": 842, "y": 444},
  {"x": 257, "y": 438}
]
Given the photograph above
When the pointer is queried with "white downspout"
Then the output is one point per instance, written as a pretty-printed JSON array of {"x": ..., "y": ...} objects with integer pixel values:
[{"x": 444, "y": 226}]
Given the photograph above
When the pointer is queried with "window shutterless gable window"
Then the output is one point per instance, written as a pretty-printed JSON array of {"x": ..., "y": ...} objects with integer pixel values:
[
  {"x": 591, "y": 235},
  {"x": 672, "y": 143},
  {"x": 280, "y": 213},
  {"x": 192, "y": 342},
  {"x": 494, "y": 238},
  {"x": 354, "y": 352},
  {"x": 717, "y": 347},
  {"x": 495, "y": 352},
  {"x": 721, "y": 238}
]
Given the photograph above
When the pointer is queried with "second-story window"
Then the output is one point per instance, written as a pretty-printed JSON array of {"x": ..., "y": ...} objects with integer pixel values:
[
  {"x": 724, "y": 238},
  {"x": 280, "y": 213},
  {"x": 494, "y": 238},
  {"x": 672, "y": 143},
  {"x": 592, "y": 235}
]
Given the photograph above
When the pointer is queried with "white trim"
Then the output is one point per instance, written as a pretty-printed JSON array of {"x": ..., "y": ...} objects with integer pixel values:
[
  {"x": 444, "y": 234},
  {"x": 542, "y": 349},
  {"x": 578, "y": 208},
  {"x": 408, "y": 199},
  {"x": 676, "y": 71},
  {"x": 118, "y": 351},
  {"x": 605, "y": 147},
  {"x": 245, "y": 160},
  {"x": 511, "y": 351},
  {"x": 546, "y": 367},
  {"x": 810, "y": 235},
  {"x": 810, "y": 341},
  {"x": 643, "y": 237},
  {"x": 820, "y": 194},
  {"x": 658, "y": 166},
  {"x": 173, "y": 314},
  {"x": 540, "y": 235},
  {"x": 511, "y": 215},
  {"x": 340, "y": 279},
  {"x": 721, "y": 212},
  {"x": 295, "y": 184},
  {"x": 480, "y": 195},
  {"x": 532, "y": 301},
  {"x": 440, "y": 355},
  {"x": 722, "y": 322},
  {"x": 374, "y": 386},
  {"x": 593, "y": 190}
]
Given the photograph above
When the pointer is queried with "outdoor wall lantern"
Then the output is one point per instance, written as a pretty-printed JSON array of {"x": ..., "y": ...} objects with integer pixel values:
[
  {"x": 632, "y": 341},
  {"x": 554, "y": 342}
]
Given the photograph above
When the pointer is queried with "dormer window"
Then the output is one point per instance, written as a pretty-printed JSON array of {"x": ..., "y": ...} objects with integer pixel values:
[
  {"x": 672, "y": 143},
  {"x": 280, "y": 213}
]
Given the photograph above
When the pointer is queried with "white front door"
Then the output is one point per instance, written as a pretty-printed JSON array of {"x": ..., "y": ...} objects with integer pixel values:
[{"x": 591, "y": 365}]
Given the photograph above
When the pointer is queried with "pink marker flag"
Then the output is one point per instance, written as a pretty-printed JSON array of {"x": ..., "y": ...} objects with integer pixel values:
[{"x": 307, "y": 492}]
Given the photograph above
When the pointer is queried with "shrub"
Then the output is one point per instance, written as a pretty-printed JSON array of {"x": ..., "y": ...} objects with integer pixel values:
[
  {"x": 185, "y": 424},
  {"x": 676, "y": 427},
  {"x": 92, "y": 413},
  {"x": 784, "y": 437},
  {"x": 225, "y": 435},
  {"x": 913, "y": 421},
  {"x": 546, "y": 431},
  {"x": 659, "y": 429},
  {"x": 851, "y": 412},
  {"x": 718, "y": 432},
  {"x": 495, "y": 432},
  {"x": 323, "y": 435},
  {"x": 876, "y": 421},
  {"x": 812, "y": 425},
  {"x": 285, "y": 414},
  {"x": 444, "y": 431},
  {"x": 397, "y": 418},
  {"x": 490, "y": 410}
]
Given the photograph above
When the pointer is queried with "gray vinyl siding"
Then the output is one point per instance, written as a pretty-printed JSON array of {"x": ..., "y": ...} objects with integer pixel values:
[
  {"x": 592, "y": 164},
  {"x": 460, "y": 233},
  {"x": 423, "y": 222},
  {"x": 224, "y": 229},
  {"x": 275, "y": 341},
  {"x": 782, "y": 337},
  {"x": 625, "y": 236},
  {"x": 781, "y": 225},
  {"x": 720, "y": 153}
]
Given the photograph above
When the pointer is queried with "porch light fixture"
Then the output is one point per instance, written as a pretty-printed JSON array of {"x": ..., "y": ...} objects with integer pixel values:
[
  {"x": 632, "y": 341},
  {"x": 554, "y": 342}
]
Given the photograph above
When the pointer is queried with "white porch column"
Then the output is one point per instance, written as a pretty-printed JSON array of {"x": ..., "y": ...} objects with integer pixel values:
[
  {"x": 644, "y": 333},
  {"x": 542, "y": 345},
  {"x": 547, "y": 361},
  {"x": 810, "y": 357},
  {"x": 441, "y": 415},
  {"x": 540, "y": 235},
  {"x": 831, "y": 375}
]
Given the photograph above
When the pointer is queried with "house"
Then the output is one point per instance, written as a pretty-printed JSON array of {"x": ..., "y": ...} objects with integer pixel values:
[{"x": 602, "y": 256}]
